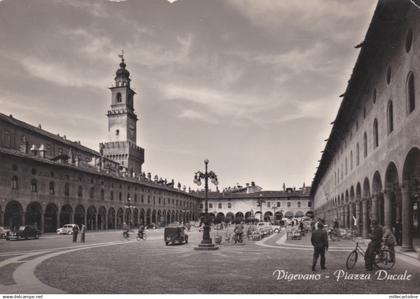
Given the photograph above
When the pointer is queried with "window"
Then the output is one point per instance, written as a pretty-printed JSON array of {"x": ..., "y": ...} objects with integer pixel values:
[
  {"x": 34, "y": 186},
  {"x": 411, "y": 94},
  {"x": 102, "y": 194},
  {"x": 346, "y": 166},
  {"x": 135, "y": 199},
  {"x": 80, "y": 191},
  {"x": 229, "y": 205},
  {"x": 52, "y": 188},
  {"x": 375, "y": 134},
  {"x": 120, "y": 196},
  {"x": 33, "y": 171},
  {"x": 289, "y": 204},
  {"x": 220, "y": 205},
  {"x": 278, "y": 204},
  {"x": 210, "y": 206},
  {"x": 112, "y": 195},
  {"x": 351, "y": 160},
  {"x": 15, "y": 184},
  {"x": 357, "y": 154},
  {"x": 91, "y": 192},
  {"x": 388, "y": 75},
  {"x": 117, "y": 132},
  {"x": 409, "y": 40},
  {"x": 365, "y": 146},
  {"x": 201, "y": 206},
  {"x": 374, "y": 96},
  {"x": 119, "y": 97},
  {"x": 390, "y": 117},
  {"x": 268, "y": 204},
  {"x": 66, "y": 189},
  {"x": 128, "y": 197},
  {"x": 309, "y": 204},
  {"x": 298, "y": 204}
]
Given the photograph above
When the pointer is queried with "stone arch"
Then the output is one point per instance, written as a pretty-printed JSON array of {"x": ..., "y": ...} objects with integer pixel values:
[
  {"x": 248, "y": 217},
  {"x": 148, "y": 216},
  {"x": 33, "y": 215},
  {"x": 142, "y": 217},
  {"x": 154, "y": 217},
  {"x": 13, "y": 214},
  {"x": 50, "y": 218},
  {"x": 267, "y": 216},
  {"x": 159, "y": 218},
  {"x": 136, "y": 217},
  {"x": 411, "y": 198},
  {"x": 378, "y": 201},
  {"x": 229, "y": 217},
  {"x": 102, "y": 218},
  {"x": 66, "y": 215},
  {"x": 299, "y": 214},
  {"x": 239, "y": 216},
  {"x": 79, "y": 215},
  {"x": 120, "y": 218},
  {"x": 91, "y": 218},
  {"x": 288, "y": 214},
  {"x": 220, "y": 217},
  {"x": 111, "y": 218},
  {"x": 393, "y": 196},
  {"x": 127, "y": 216}
]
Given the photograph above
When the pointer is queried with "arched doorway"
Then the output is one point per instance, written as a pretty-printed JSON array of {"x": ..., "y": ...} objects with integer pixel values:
[
  {"x": 136, "y": 217},
  {"x": 148, "y": 217},
  {"x": 102, "y": 218},
  {"x": 249, "y": 217},
  {"x": 66, "y": 215},
  {"x": 79, "y": 215},
  {"x": 111, "y": 218},
  {"x": 120, "y": 218},
  {"x": 220, "y": 217},
  {"x": 239, "y": 217},
  {"x": 142, "y": 216},
  {"x": 267, "y": 216},
  {"x": 91, "y": 218},
  {"x": 33, "y": 215},
  {"x": 13, "y": 214},
  {"x": 159, "y": 218},
  {"x": 229, "y": 217},
  {"x": 378, "y": 200},
  {"x": 50, "y": 218},
  {"x": 288, "y": 214},
  {"x": 299, "y": 214},
  {"x": 127, "y": 217},
  {"x": 392, "y": 196},
  {"x": 411, "y": 199}
]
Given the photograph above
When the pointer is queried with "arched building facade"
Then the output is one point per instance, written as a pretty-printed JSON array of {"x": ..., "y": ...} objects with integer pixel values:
[{"x": 370, "y": 167}]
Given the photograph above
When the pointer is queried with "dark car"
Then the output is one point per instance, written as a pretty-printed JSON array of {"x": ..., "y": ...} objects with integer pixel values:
[
  {"x": 175, "y": 234},
  {"x": 23, "y": 232}
]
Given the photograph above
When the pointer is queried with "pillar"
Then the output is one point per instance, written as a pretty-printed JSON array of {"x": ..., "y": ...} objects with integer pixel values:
[
  {"x": 1, "y": 218},
  {"x": 407, "y": 240},
  {"x": 387, "y": 209},
  {"x": 358, "y": 216},
  {"x": 364, "y": 218},
  {"x": 85, "y": 219},
  {"x": 72, "y": 217},
  {"x": 42, "y": 222},
  {"x": 374, "y": 209},
  {"x": 95, "y": 227}
]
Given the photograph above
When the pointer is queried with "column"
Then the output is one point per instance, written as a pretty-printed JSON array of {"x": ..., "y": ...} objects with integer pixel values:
[
  {"x": 58, "y": 218},
  {"x": 72, "y": 217},
  {"x": 364, "y": 218},
  {"x": 1, "y": 218},
  {"x": 85, "y": 219},
  {"x": 23, "y": 218},
  {"x": 95, "y": 227},
  {"x": 387, "y": 209},
  {"x": 106, "y": 221},
  {"x": 374, "y": 209},
  {"x": 42, "y": 223},
  {"x": 407, "y": 240},
  {"x": 358, "y": 216}
]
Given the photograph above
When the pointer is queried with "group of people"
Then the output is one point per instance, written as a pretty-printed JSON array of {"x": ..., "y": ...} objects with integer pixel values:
[
  {"x": 379, "y": 235},
  {"x": 76, "y": 229},
  {"x": 140, "y": 232}
]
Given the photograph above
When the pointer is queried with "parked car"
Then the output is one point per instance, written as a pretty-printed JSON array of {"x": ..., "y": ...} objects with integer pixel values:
[
  {"x": 175, "y": 234},
  {"x": 23, "y": 232},
  {"x": 67, "y": 229},
  {"x": 268, "y": 227},
  {"x": 152, "y": 226},
  {"x": 3, "y": 232}
]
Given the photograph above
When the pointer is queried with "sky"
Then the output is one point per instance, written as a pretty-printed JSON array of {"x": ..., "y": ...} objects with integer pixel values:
[{"x": 251, "y": 85}]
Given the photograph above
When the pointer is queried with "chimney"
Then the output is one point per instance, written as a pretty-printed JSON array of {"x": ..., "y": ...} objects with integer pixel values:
[
  {"x": 42, "y": 151},
  {"x": 34, "y": 150}
]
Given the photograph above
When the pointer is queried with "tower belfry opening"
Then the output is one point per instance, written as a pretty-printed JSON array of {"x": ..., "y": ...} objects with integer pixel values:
[{"x": 122, "y": 124}]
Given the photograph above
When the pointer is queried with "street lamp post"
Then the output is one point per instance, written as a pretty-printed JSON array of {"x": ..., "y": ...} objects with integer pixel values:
[
  {"x": 260, "y": 201},
  {"x": 130, "y": 206},
  {"x": 206, "y": 243}
]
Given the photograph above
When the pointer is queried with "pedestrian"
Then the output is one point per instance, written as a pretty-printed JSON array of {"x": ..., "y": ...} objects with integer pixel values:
[
  {"x": 398, "y": 232},
  {"x": 319, "y": 240},
  {"x": 374, "y": 245},
  {"x": 82, "y": 233},
  {"x": 389, "y": 240},
  {"x": 75, "y": 231}
]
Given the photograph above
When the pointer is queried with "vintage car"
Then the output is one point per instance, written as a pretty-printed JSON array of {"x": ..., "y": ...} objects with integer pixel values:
[
  {"x": 67, "y": 229},
  {"x": 175, "y": 234},
  {"x": 23, "y": 232},
  {"x": 3, "y": 232}
]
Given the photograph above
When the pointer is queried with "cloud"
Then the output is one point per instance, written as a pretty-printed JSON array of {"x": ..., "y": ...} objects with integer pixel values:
[{"x": 195, "y": 115}]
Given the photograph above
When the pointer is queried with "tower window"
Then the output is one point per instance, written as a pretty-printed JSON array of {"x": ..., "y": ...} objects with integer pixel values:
[
  {"x": 409, "y": 40},
  {"x": 117, "y": 132},
  {"x": 365, "y": 145},
  {"x": 119, "y": 98},
  {"x": 390, "y": 117},
  {"x": 411, "y": 97}
]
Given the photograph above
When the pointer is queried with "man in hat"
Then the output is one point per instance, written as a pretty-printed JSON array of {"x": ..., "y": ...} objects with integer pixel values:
[{"x": 319, "y": 240}]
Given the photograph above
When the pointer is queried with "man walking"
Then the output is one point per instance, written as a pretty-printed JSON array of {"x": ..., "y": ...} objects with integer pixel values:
[
  {"x": 319, "y": 240},
  {"x": 75, "y": 231}
]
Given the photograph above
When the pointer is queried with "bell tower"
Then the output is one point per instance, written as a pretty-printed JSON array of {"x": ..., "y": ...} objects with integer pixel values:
[{"x": 122, "y": 124}]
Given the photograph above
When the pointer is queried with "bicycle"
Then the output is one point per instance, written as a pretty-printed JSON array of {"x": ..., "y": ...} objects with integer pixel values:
[
  {"x": 125, "y": 235},
  {"x": 143, "y": 237},
  {"x": 382, "y": 258}
]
